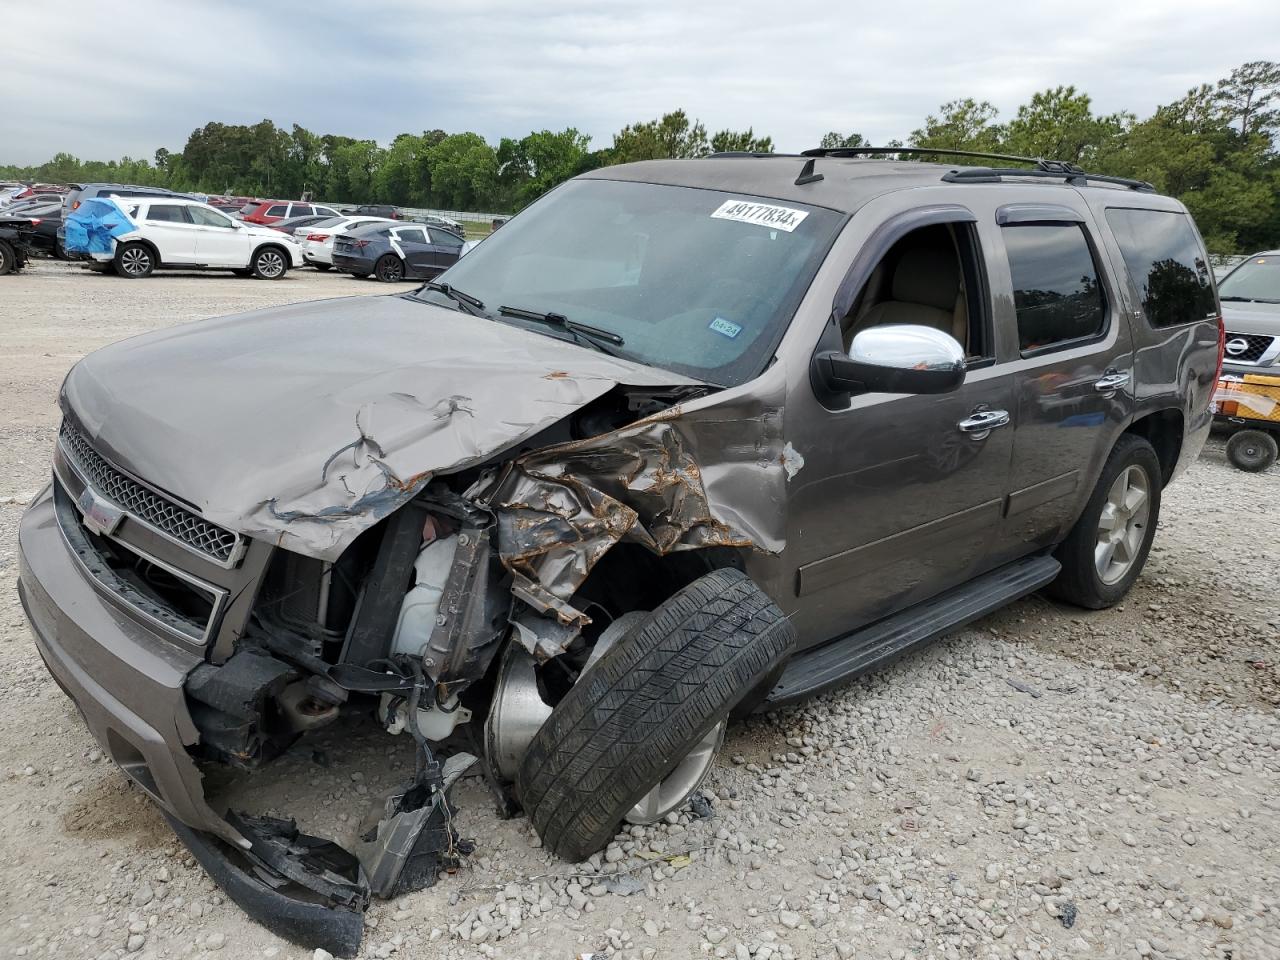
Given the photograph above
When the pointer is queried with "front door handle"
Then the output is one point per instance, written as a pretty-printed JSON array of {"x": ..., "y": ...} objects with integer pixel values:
[
  {"x": 1111, "y": 382},
  {"x": 983, "y": 422}
]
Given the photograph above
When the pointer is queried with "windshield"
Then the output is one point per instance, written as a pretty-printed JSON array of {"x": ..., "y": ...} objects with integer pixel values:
[
  {"x": 1258, "y": 278},
  {"x": 700, "y": 282}
]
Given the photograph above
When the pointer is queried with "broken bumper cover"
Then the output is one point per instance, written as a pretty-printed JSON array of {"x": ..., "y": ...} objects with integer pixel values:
[
  {"x": 128, "y": 684},
  {"x": 126, "y": 681}
]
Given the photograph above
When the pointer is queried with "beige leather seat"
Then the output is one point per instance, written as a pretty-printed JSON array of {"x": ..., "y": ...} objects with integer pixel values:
[{"x": 925, "y": 291}]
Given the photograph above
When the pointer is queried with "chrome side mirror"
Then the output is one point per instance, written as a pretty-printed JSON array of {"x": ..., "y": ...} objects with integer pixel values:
[{"x": 895, "y": 358}]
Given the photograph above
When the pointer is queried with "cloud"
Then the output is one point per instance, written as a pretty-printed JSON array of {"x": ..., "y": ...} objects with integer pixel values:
[{"x": 501, "y": 68}]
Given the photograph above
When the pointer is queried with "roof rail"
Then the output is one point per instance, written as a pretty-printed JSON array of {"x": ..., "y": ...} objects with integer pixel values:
[
  {"x": 1046, "y": 169},
  {"x": 1076, "y": 177},
  {"x": 917, "y": 151}
]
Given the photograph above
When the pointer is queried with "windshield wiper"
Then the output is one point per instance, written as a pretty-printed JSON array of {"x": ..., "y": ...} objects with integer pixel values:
[
  {"x": 474, "y": 305},
  {"x": 595, "y": 337}
]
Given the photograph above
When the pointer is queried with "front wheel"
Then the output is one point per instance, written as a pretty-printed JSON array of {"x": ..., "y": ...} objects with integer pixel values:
[
  {"x": 633, "y": 737},
  {"x": 8, "y": 259},
  {"x": 269, "y": 263},
  {"x": 1107, "y": 548},
  {"x": 1252, "y": 450},
  {"x": 389, "y": 268}
]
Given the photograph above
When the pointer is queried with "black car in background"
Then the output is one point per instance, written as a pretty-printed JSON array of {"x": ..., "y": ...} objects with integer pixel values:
[
  {"x": 291, "y": 224},
  {"x": 45, "y": 219},
  {"x": 396, "y": 251}
]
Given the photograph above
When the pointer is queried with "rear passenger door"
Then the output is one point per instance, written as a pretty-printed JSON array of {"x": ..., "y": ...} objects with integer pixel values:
[
  {"x": 169, "y": 227},
  {"x": 1074, "y": 381},
  {"x": 419, "y": 257}
]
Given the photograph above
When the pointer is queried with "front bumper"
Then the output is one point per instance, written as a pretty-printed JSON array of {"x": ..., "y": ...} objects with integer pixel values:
[{"x": 125, "y": 679}]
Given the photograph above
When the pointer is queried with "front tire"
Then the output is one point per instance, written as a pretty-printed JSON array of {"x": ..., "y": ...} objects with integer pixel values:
[
  {"x": 135, "y": 260},
  {"x": 653, "y": 699},
  {"x": 1107, "y": 548},
  {"x": 389, "y": 268},
  {"x": 8, "y": 259},
  {"x": 1252, "y": 450},
  {"x": 269, "y": 263}
]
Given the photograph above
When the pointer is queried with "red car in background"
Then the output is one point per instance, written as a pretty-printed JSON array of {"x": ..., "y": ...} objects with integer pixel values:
[{"x": 267, "y": 212}]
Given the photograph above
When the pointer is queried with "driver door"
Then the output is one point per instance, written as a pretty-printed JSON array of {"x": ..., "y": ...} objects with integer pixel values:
[
  {"x": 900, "y": 495},
  {"x": 219, "y": 242}
]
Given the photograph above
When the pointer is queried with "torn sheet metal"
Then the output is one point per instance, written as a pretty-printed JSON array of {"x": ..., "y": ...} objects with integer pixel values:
[
  {"x": 1251, "y": 397},
  {"x": 305, "y": 425},
  {"x": 657, "y": 482},
  {"x": 95, "y": 225}
]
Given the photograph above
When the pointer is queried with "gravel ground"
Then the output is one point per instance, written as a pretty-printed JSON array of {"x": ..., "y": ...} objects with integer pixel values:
[{"x": 1047, "y": 783}]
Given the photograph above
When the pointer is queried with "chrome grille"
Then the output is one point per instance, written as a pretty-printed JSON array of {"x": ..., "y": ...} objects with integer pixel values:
[
  {"x": 145, "y": 504},
  {"x": 1257, "y": 345}
]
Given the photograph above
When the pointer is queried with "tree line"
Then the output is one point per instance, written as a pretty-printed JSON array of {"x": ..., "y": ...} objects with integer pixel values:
[{"x": 1214, "y": 148}]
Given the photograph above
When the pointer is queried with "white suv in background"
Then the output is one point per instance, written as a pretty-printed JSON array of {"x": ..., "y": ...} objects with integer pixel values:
[
  {"x": 188, "y": 234},
  {"x": 316, "y": 241}
]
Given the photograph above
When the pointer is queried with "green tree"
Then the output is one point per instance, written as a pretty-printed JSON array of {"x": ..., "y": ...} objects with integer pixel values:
[
  {"x": 464, "y": 172},
  {"x": 966, "y": 124},
  {"x": 745, "y": 141},
  {"x": 1059, "y": 124},
  {"x": 1250, "y": 97},
  {"x": 673, "y": 136},
  {"x": 834, "y": 139},
  {"x": 529, "y": 167}
]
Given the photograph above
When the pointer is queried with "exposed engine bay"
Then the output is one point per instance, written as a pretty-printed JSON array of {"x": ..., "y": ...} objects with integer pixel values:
[{"x": 460, "y": 620}]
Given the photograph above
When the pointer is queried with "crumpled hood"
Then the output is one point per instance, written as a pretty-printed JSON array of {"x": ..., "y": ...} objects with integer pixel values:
[{"x": 307, "y": 424}]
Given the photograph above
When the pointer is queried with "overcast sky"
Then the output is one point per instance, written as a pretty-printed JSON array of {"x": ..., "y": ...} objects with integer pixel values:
[{"x": 104, "y": 83}]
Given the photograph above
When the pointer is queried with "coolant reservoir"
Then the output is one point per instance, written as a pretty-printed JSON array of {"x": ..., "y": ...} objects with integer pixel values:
[{"x": 418, "y": 610}]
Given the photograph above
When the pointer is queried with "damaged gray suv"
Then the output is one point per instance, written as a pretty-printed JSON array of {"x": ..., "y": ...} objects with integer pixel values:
[{"x": 684, "y": 440}]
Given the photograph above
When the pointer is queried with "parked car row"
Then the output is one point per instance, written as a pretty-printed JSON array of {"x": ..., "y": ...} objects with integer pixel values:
[{"x": 139, "y": 229}]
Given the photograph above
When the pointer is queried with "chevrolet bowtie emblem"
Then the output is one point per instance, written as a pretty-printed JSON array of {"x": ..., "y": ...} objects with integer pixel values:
[{"x": 100, "y": 516}]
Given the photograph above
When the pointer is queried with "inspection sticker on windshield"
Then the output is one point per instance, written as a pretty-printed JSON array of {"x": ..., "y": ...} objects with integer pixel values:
[
  {"x": 725, "y": 327},
  {"x": 761, "y": 214}
]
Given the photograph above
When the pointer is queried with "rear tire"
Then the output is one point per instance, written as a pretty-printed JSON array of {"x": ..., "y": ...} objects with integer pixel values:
[
  {"x": 389, "y": 268},
  {"x": 1252, "y": 450},
  {"x": 652, "y": 698},
  {"x": 1107, "y": 548},
  {"x": 269, "y": 263},
  {"x": 8, "y": 259},
  {"x": 134, "y": 260}
]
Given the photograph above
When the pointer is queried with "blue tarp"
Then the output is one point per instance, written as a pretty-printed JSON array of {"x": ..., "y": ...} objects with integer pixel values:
[{"x": 93, "y": 226}]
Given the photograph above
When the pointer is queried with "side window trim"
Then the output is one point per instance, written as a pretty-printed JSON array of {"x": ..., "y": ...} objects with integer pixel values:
[
  {"x": 1041, "y": 213},
  {"x": 1108, "y": 300}
]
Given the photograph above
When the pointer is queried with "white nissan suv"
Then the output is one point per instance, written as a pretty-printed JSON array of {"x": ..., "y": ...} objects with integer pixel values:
[{"x": 187, "y": 234}]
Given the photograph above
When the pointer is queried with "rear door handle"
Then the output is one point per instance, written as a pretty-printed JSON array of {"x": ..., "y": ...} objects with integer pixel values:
[
  {"x": 1111, "y": 382},
  {"x": 983, "y": 422}
]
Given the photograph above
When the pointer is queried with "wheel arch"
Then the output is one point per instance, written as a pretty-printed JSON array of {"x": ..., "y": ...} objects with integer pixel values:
[
  {"x": 150, "y": 245},
  {"x": 288, "y": 260},
  {"x": 1164, "y": 430}
]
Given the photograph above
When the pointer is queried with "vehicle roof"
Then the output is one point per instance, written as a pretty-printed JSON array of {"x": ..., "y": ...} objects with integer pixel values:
[
  {"x": 847, "y": 182},
  {"x": 377, "y": 226}
]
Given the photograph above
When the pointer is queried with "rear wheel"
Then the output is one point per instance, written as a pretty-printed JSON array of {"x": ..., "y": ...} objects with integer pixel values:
[
  {"x": 8, "y": 259},
  {"x": 389, "y": 268},
  {"x": 269, "y": 263},
  {"x": 635, "y": 736},
  {"x": 135, "y": 260},
  {"x": 1107, "y": 548},
  {"x": 1252, "y": 450}
]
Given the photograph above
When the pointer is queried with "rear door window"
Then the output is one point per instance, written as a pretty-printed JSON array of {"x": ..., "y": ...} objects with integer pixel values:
[
  {"x": 168, "y": 213},
  {"x": 411, "y": 235},
  {"x": 279, "y": 210},
  {"x": 1056, "y": 292},
  {"x": 1167, "y": 265},
  {"x": 301, "y": 210}
]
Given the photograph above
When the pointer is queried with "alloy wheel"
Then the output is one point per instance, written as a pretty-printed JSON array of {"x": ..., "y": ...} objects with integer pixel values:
[
  {"x": 270, "y": 264},
  {"x": 136, "y": 261},
  {"x": 1122, "y": 525}
]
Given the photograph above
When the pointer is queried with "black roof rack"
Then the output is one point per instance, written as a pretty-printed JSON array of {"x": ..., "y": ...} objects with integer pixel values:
[{"x": 1040, "y": 167}]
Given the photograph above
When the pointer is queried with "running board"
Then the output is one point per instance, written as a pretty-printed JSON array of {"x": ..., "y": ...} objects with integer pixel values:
[{"x": 819, "y": 669}]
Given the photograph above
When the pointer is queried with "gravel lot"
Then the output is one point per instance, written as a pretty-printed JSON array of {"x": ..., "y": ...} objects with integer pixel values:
[{"x": 1047, "y": 783}]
